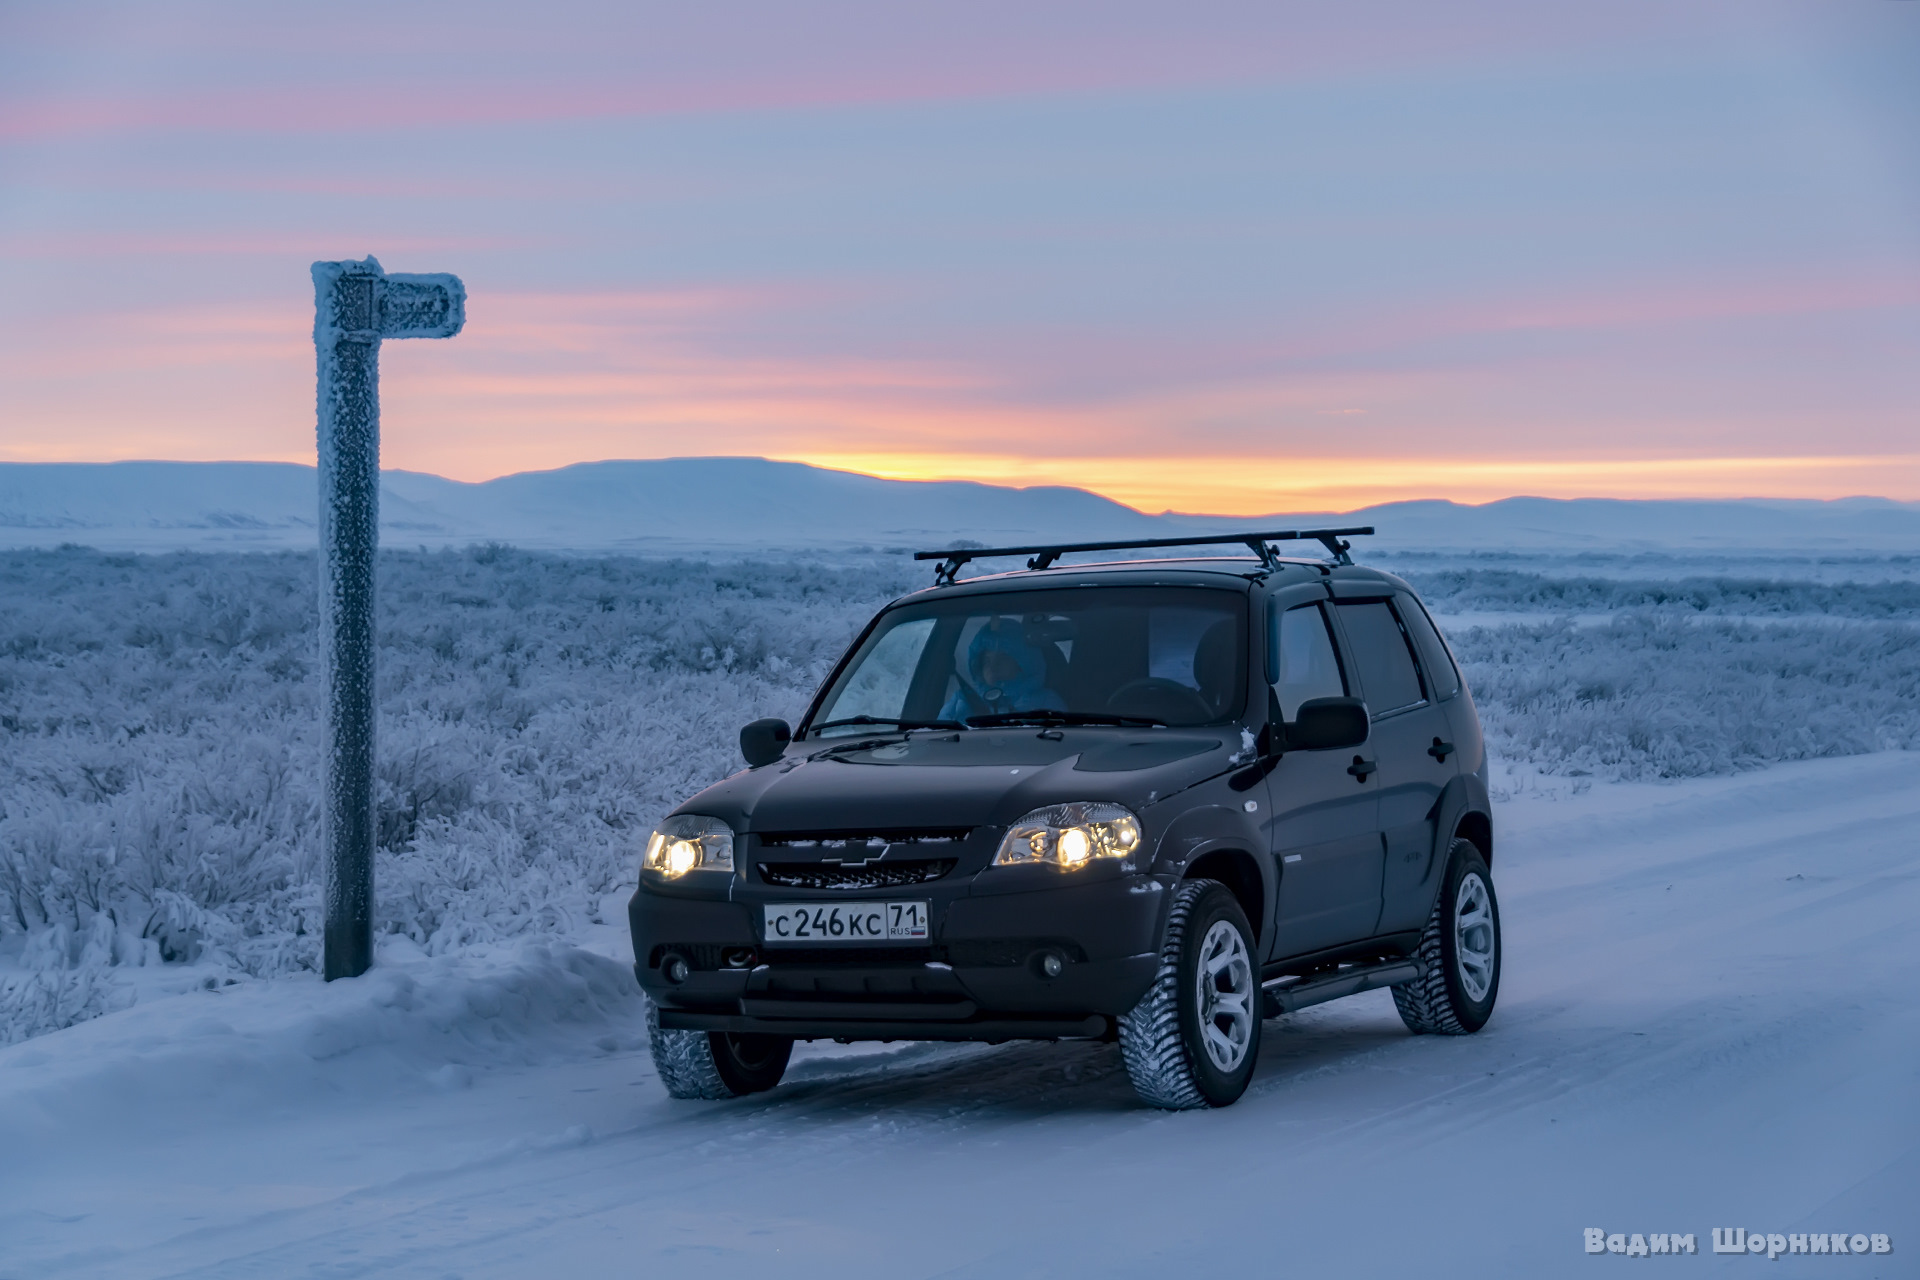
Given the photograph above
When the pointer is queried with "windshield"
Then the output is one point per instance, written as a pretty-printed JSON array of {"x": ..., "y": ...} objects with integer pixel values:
[{"x": 1109, "y": 655}]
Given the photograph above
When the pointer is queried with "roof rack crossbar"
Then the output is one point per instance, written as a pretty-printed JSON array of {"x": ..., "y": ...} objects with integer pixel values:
[{"x": 1042, "y": 557}]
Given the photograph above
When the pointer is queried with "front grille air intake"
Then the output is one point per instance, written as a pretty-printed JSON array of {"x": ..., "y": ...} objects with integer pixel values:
[{"x": 872, "y": 875}]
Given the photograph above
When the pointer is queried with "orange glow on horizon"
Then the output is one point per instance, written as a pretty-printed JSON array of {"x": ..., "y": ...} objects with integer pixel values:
[
  {"x": 1260, "y": 486},
  {"x": 540, "y": 381},
  {"x": 1250, "y": 486}
]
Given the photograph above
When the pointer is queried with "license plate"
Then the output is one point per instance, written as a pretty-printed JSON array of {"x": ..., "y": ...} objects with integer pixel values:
[{"x": 798, "y": 922}]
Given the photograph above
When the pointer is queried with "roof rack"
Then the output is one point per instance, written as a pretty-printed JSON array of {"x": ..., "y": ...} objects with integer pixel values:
[{"x": 1261, "y": 544}]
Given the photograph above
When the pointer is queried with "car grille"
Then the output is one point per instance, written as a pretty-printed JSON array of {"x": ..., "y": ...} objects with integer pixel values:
[
  {"x": 919, "y": 839},
  {"x": 873, "y": 875}
]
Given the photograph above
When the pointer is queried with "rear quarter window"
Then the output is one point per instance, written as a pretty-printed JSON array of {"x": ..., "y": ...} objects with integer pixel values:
[
  {"x": 1384, "y": 653},
  {"x": 1435, "y": 658}
]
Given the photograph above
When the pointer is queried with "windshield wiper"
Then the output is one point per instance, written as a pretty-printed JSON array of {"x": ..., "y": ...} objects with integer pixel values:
[
  {"x": 1046, "y": 716},
  {"x": 887, "y": 720}
]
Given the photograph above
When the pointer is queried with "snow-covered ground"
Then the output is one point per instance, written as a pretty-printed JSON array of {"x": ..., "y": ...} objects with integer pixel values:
[
  {"x": 1707, "y": 1019},
  {"x": 1706, "y": 777}
]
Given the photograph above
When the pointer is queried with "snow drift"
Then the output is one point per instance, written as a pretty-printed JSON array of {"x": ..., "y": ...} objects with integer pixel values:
[{"x": 414, "y": 1024}]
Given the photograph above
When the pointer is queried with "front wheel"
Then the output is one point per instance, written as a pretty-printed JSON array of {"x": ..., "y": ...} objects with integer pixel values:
[
  {"x": 1461, "y": 951},
  {"x": 715, "y": 1064},
  {"x": 1193, "y": 1038}
]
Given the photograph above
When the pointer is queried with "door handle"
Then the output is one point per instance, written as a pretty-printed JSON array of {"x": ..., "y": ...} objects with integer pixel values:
[
  {"x": 1440, "y": 750},
  {"x": 1361, "y": 767}
]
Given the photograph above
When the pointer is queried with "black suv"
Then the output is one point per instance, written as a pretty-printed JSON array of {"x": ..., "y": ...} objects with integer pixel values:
[{"x": 1151, "y": 800}]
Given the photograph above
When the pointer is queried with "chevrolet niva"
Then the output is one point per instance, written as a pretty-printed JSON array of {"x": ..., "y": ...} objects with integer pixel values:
[{"x": 1156, "y": 801}]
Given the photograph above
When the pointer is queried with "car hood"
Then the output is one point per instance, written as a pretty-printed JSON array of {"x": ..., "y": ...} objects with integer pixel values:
[{"x": 982, "y": 777}]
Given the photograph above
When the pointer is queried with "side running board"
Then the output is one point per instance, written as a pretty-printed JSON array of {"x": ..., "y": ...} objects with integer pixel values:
[{"x": 1286, "y": 995}]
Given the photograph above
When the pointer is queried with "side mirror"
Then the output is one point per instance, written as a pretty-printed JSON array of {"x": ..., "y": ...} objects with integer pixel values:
[
  {"x": 1329, "y": 724},
  {"x": 765, "y": 741}
]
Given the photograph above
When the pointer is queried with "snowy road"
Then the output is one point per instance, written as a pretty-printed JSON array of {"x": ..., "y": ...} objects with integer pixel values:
[{"x": 1707, "y": 1018}]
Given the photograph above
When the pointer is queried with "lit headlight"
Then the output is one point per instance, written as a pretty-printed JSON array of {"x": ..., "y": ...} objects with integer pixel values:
[
  {"x": 1071, "y": 836},
  {"x": 688, "y": 843}
]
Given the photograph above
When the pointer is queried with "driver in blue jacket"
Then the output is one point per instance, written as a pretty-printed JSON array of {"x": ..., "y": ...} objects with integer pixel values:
[{"x": 1009, "y": 674}]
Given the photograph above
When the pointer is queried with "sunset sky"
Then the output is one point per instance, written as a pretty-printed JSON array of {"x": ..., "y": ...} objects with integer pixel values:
[{"x": 1214, "y": 257}]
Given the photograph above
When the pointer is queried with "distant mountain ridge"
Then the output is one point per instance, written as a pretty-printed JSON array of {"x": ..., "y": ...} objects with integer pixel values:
[{"x": 737, "y": 504}]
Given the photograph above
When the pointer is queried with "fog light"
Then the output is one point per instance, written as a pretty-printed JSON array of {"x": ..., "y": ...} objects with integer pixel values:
[
  {"x": 1051, "y": 965},
  {"x": 675, "y": 969}
]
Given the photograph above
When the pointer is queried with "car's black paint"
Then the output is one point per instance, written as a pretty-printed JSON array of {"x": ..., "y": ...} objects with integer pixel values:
[{"x": 1329, "y": 862}]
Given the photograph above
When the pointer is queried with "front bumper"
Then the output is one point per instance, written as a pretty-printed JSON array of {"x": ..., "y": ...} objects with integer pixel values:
[
  {"x": 989, "y": 1030},
  {"x": 980, "y": 976}
]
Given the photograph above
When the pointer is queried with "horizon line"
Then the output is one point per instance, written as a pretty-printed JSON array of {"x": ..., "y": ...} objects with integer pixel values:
[{"x": 1049, "y": 483}]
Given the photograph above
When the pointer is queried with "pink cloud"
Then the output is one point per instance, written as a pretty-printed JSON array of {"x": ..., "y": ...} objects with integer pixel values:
[{"x": 542, "y": 379}]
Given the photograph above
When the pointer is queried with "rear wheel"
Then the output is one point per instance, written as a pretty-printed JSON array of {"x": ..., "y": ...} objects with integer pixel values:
[
  {"x": 1461, "y": 951},
  {"x": 716, "y": 1064},
  {"x": 1193, "y": 1038}
]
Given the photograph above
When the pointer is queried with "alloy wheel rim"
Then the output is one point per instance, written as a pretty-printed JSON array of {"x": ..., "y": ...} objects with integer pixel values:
[
  {"x": 1474, "y": 940},
  {"x": 1224, "y": 996}
]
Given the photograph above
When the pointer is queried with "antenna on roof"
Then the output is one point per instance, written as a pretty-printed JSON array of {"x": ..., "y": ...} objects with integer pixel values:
[{"x": 1042, "y": 557}]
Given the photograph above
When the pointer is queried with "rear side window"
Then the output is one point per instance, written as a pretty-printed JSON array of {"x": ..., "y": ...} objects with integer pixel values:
[
  {"x": 1384, "y": 653},
  {"x": 1305, "y": 659},
  {"x": 1435, "y": 659}
]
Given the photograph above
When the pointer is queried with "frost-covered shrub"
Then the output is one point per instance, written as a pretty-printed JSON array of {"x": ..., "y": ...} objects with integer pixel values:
[
  {"x": 159, "y": 734},
  {"x": 1649, "y": 695},
  {"x": 159, "y": 727},
  {"x": 1514, "y": 591},
  {"x": 36, "y": 1002}
]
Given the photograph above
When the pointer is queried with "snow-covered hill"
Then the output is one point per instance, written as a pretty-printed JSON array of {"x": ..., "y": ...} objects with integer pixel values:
[
  {"x": 683, "y": 504},
  {"x": 662, "y": 504}
]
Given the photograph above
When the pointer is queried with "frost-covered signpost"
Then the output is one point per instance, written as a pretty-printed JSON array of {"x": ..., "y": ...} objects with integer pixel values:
[{"x": 356, "y": 305}]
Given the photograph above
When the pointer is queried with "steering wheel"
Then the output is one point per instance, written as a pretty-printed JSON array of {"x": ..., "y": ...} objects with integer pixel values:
[{"x": 1160, "y": 699}]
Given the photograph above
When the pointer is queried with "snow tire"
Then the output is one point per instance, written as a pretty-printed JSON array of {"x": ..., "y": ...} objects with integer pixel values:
[
  {"x": 715, "y": 1064},
  {"x": 1461, "y": 951},
  {"x": 1164, "y": 1039}
]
